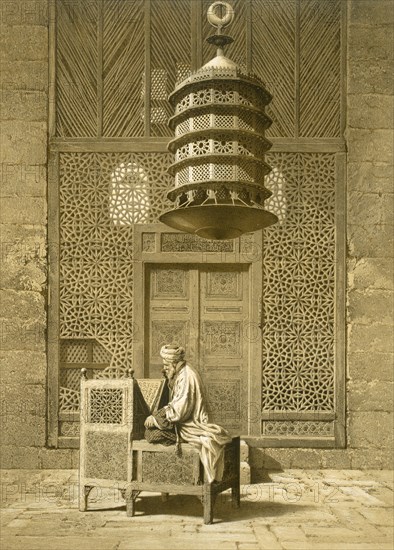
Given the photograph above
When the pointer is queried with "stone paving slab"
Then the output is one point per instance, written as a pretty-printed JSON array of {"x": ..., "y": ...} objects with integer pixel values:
[
  {"x": 337, "y": 546},
  {"x": 266, "y": 538},
  {"x": 378, "y": 516},
  {"x": 285, "y": 532},
  {"x": 383, "y": 494},
  {"x": 294, "y": 510},
  {"x": 49, "y": 542},
  {"x": 353, "y": 518}
]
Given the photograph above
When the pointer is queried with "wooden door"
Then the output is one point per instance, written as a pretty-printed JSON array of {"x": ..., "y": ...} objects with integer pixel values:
[
  {"x": 223, "y": 349},
  {"x": 204, "y": 308}
]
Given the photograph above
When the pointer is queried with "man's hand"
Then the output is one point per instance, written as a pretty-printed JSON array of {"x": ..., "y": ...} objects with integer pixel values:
[{"x": 150, "y": 422}]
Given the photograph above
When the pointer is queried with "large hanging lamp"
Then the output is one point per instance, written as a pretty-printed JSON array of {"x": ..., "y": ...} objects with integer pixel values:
[{"x": 219, "y": 146}]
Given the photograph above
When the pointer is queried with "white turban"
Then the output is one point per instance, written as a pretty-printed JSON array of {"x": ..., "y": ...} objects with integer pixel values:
[{"x": 172, "y": 353}]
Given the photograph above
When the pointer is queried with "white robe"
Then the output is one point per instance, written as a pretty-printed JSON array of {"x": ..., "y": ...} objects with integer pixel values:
[{"x": 187, "y": 410}]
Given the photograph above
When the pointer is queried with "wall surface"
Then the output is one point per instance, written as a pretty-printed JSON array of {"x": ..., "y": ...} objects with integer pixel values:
[
  {"x": 23, "y": 363},
  {"x": 370, "y": 233},
  {"x": 23, "y": 369}
]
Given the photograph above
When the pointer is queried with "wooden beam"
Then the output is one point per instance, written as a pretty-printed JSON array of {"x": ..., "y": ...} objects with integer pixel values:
[
  {"x": 340, "y": 301},
  {"x": 196, "y": 35},
  {"x": 159, "y": 145},
  {"x": 84, "y": 365},
  {"x": 249, "y": 36},
  {"x": 254, "y": 335},
  {"x": 53, "y": 343},
  {"x": 288, "y": 442},
  {"x": 100, "y": 76},
  {"x": 316, "y": 416},
  {"x": 148, "y": 83},
  {"x": 343, "y": 106},
  {"x": 297, "y": 68},
  {"x": 52, "y": 70}
]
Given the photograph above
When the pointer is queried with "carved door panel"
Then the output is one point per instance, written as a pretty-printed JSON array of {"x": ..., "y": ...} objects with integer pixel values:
[
  {"x": 204, "y": 309},
  {"x": 223, "y": 357},
  {"x": 171, "y": 311}
]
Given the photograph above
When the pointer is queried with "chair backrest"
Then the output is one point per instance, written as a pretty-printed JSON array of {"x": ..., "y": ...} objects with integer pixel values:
[{"x": 113, "y": 412}]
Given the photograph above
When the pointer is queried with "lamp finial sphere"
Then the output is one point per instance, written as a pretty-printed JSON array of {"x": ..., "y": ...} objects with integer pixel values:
[{"x": 220, "y": 21}]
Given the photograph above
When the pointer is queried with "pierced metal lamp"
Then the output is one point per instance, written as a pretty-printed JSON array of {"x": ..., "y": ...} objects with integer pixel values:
[{"x": 219, "y": 146}]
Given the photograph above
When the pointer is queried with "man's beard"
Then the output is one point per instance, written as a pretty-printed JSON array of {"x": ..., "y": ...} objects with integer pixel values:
[
  {"x": 174, "y": 375},
  {"x": 170, "y": 380},
  {"x": 168, "y": 375}
]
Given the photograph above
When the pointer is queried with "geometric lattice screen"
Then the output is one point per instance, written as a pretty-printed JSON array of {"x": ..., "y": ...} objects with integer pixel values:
[
  {"x": 101, "y": 195},
  {"x": 298, "y": 267},
  {"x": 96, "y": 283},
  {"x": 299, "y": 295}
]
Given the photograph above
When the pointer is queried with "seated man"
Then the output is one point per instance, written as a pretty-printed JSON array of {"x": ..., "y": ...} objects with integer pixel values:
[{"x": 185, "y": 417}]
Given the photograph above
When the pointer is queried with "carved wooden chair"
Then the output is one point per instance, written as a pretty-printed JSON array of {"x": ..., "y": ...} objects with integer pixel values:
[
  {"x": 113, "y": 412},
  {"x": 157, "y": 468},
  {"x": 113, "y": 453}
]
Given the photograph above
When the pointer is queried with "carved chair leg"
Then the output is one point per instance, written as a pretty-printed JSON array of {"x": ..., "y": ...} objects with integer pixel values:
[
  {"x": 164, "y": 497},
  {"x": 208, "y": 503},
  {"x": 130, "y": 503},
  {"x": 83, "y": 497},
  {"x": 236, "y": 496}
]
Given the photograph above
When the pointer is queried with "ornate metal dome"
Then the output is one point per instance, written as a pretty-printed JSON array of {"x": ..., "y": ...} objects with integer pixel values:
[{"x": 219, "y": 146}]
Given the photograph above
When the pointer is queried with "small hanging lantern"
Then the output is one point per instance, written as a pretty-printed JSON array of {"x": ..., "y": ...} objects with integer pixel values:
[{"x": 219, "y": 146}]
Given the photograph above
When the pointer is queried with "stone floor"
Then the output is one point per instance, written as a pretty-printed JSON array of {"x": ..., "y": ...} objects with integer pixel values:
[{"x": 293, "y": 510}]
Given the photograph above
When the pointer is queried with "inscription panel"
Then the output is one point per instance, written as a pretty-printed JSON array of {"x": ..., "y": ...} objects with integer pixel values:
[
  {"x": 175, "y": 242},
  {"x": 69, "y": 429},
  {"x": 304, "y": 428}
]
